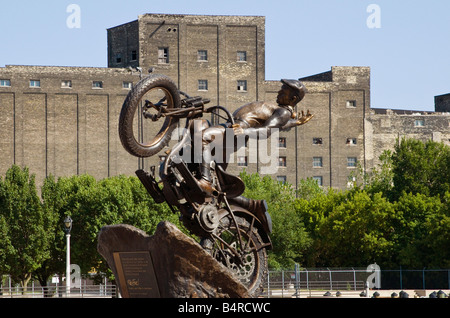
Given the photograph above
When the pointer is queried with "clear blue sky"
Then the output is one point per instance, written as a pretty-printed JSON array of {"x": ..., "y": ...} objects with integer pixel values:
[{"x": 409, "y": 55}]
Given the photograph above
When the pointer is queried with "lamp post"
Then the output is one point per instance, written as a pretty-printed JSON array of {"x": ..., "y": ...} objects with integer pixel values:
[{"x": 67, "y": 229}]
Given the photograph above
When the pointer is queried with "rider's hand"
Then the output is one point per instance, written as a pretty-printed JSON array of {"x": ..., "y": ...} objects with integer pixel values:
[
  {"x": 237, "y": 129},
  {"x": 303, "y": 119}
]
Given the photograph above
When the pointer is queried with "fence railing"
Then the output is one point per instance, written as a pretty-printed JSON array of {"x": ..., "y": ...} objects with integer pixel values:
[
  {"x": 281, "y": 283},
  {"x": 353, "y": 280},
  {"x": 92, "y": 291}
]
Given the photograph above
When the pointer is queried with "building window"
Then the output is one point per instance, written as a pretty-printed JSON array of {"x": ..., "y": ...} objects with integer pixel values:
[
  {"x": 134, "y": 55},
  {"x": 281, "y": 161},
  {"x": 317, "y": 162},
  {"x": 419, "y": 123},
  {"x": 66, "y": 84},
  {"x": 127, "y": 85},
  {"x": 282, "y": 142},
  {"x": 317, "y": 141},
  {"x": 5, "y": 83},
  {"x": 351, "y": 141},
  {"x": 119, "y": 58},
  {"x": 163, "y": 55},
  {"x": 202, "y": 85},
  {"x": 202, "y": 55},
  {"x": 97, "y": 84},
  {"x": 281, "y": 179},
  {"x": 242, "y": 161},
  {"x": 319, "y": 180},
  {"x": 35, "y": 83},
  {"x": 242, "y": 56},
  {"x": 242, "y": 86},
  {"x": 351, "y": 103},
  {"x": 351, "y": 162}
]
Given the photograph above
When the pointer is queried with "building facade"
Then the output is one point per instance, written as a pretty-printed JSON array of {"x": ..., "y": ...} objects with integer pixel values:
[
  {"x": 63, "y": 120},
  {"x": 385, "y": 127},
  {"x": 222, "y": 57}
]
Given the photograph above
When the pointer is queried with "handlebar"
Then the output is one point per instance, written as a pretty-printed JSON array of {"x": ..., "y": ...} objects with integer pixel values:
[
  {"x": 191, "y": 107},
  {"x": 196, "y": 101}
]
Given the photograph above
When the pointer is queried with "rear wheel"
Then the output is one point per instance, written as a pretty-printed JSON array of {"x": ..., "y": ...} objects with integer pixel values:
[
  {"x": 140, "y": 135},
  {"x": 247, "y": 260}
]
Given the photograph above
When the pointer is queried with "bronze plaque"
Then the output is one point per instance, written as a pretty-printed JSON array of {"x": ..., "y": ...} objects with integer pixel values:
[{"x": 137, "y": 277}]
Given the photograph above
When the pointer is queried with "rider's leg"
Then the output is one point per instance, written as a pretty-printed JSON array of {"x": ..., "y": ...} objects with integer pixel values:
[{"x": 209, "y": 136}]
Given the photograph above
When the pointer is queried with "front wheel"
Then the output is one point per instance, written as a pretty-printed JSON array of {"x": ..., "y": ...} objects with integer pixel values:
[
  {"x": 141, "y": 136},
  {"x": 244, "y": 257}
]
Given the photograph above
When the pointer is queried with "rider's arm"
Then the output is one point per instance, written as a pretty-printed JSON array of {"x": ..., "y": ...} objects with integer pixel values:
[
  {"x": 298, "y": 120},
  {"x": 279, "y": 119}
]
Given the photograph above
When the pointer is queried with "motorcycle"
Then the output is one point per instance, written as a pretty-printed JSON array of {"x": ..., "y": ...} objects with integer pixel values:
[{"x": 234, "y": 233}]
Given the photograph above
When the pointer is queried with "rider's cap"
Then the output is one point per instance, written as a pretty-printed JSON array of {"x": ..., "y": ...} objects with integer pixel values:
[{"x": 296, "y": 86}]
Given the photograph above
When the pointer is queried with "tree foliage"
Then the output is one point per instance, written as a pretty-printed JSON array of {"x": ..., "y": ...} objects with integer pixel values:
[
  {"x": 424, "y": 226},
  {"x": 420, "y": 167},
  {"x": 289, "y": 237},
  {"x": 396, "y": 214},
  {"x": 25, "y": 230}
]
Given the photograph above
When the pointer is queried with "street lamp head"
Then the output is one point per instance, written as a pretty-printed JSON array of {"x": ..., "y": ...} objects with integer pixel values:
[{"x": 67, "y": 225}]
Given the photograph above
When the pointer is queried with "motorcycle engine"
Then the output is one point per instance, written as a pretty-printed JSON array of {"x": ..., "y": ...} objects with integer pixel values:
[{"x": 209, "y": 217}]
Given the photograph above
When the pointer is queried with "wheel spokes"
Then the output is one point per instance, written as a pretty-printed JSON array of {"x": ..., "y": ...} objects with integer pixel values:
[{"x": 235, "y": 248}]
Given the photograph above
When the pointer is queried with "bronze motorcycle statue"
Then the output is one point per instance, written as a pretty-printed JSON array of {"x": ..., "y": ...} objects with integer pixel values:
[{"x": 230, "y": 227}]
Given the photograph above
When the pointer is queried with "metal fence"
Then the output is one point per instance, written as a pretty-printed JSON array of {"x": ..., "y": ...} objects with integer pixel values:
[
  {"x": 350, "y": 280},
  {"x": 92, "y": 291},
  {"x": 85, "y": 288},
  {"x": 284, "y": 283},
  {"x": 293, "y": 283},
  {"x": 415, "y": 278}
]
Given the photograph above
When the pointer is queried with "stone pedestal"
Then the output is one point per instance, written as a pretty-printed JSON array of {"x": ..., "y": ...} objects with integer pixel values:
[{"x": 168, "y": 264}]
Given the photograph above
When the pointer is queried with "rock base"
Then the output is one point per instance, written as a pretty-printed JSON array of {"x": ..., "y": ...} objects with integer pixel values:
[{"x": 168, "y": 264}]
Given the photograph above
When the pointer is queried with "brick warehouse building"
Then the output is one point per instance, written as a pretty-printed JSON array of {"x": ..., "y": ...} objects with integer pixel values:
[{"x": 63, "y": 120}]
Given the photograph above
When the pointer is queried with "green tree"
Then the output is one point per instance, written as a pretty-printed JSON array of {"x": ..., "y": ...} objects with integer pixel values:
[
  {"x": 6, "y": 247},
  {"x": 359, "y": 231},
  {"x": 420, "y": 167},
  {"x": 424, "y": 231},
  {"x": 55, "y": 196},
  {"x": 24, "y": 227},
  {"x": 309, "y": 189},
  {"x": 314, "y": 213},
  {"x": 289, "y": 237}
]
